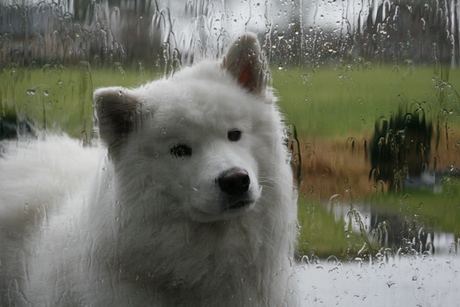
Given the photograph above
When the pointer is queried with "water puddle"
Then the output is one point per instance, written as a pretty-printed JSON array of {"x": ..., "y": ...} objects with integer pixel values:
[{"x": 399, "y": 234}]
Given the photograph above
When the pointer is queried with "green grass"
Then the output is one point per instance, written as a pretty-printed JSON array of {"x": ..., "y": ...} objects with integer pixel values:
[
  {"x": 327, "y": 102},
  {"x": 60, "y": 99},
  {"x": 441, "y": 212},
  {"x": 321, "y": 235},
  {"x": 338, "y": 102}
]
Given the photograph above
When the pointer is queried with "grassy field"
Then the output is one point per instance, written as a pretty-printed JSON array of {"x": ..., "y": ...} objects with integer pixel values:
[
  {"x": 60, "y": 99},
  {"x": 342, "y": 102},
  {"x": 333, "y": 109},
  {"x": 327, "y": 102}
]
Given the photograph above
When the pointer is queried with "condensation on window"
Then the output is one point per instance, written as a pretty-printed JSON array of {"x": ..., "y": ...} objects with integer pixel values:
[{"x": 370, "y": 94}]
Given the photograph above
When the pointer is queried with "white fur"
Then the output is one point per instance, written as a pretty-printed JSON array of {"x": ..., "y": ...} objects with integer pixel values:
[{"x": 140, "y": 226}]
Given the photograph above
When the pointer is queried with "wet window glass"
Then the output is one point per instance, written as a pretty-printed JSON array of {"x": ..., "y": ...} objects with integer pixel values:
[{"x": 368, "y": 92}]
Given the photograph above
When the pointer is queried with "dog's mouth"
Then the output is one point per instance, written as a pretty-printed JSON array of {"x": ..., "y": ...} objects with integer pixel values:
[
  {"x": 237, "y": 205},
  {"x": 228, "y": 210}
]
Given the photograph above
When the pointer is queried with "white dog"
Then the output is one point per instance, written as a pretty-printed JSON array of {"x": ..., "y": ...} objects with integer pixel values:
[{"x": 191, "y": 203}]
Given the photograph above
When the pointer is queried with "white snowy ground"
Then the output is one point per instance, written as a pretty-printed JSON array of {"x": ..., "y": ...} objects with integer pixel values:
[{"x": 411, "y": 281}]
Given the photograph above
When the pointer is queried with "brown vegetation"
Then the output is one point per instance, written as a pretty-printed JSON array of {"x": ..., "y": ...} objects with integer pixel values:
[{"x": 341, "y": 167}]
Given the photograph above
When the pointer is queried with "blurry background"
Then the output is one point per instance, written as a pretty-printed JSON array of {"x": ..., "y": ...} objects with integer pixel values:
[{"x": 369, "y": 88}]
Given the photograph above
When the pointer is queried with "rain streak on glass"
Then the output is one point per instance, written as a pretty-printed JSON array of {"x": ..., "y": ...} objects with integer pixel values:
[{"x": 369, "y": 89}]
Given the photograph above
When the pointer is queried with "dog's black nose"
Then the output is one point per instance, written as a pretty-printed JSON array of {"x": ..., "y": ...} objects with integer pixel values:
[{"x": 234, "y": 181}]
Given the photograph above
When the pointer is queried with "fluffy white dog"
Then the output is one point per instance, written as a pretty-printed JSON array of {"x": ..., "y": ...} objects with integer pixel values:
[{"x": 190, "y": 202}]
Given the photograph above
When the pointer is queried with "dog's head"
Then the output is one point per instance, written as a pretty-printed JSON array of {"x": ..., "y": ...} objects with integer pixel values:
[{"x": 195, "y": 143}]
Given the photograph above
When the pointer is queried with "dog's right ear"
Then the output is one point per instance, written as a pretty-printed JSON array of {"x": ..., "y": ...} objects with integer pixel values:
[{"x": 116, "y": 109}]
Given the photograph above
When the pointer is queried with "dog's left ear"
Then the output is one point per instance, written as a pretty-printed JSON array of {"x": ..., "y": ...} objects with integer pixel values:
[
  {"x": 116, "y": 109},
  {"x": 244, "y": 60}
]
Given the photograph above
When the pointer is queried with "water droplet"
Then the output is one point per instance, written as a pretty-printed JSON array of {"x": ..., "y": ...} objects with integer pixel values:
[{"x": 31, "y": 92}]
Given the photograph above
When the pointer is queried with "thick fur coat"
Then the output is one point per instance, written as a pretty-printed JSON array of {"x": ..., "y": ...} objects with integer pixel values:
[{"x": 189, "y": 202}]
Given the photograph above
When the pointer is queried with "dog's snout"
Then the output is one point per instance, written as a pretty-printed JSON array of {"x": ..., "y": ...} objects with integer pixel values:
[{"x": 234, "y": 181}]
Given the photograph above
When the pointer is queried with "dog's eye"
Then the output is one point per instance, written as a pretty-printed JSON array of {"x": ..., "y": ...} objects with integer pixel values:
[
  {"x": 234, "y": 135},
  {"x": 181, "y": 150}
]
